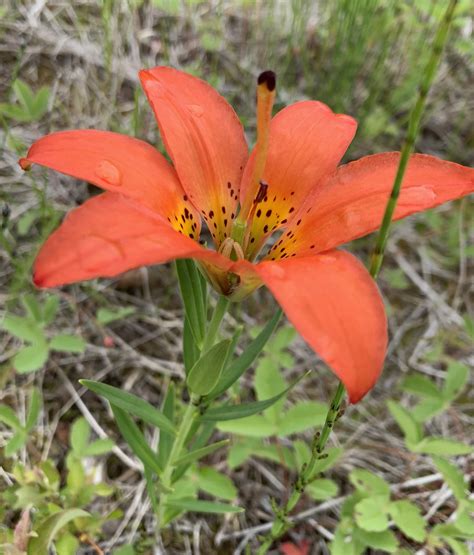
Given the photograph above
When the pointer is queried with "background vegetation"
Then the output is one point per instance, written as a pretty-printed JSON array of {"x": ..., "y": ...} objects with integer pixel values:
[{"x": 68, "y": 65}]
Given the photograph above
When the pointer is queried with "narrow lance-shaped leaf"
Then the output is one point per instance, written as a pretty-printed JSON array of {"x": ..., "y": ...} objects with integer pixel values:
[
  {"x": 135, "y": 439},
  {"x": 166, "y": 439},
  {"x": 231, "y": 412},
  {"x": 204, "y": 375},
  {"x": 233, "y": 372},
  {"x": 190, "y": 349},
  {"x": 200, "y": 453},
  {"x": 189, "y": 289},
  {"x": 131, "y": 403}
]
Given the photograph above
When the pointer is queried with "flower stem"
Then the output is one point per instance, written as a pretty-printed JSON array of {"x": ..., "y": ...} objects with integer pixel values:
[
  {"x": 190, "y": 413},
  {"x": 281, "y": 524},
  {"x": 180, "y": 439},
  {"x": 306, "y": 475},
  {"x": 413, "y": 127},
  {"x": 219, "y": 312}
]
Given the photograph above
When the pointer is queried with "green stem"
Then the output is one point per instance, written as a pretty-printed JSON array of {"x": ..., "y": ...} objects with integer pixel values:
[
  {"x": 413, "y": 127},
  {"x": 213, "y": 328},
  {"x": 179, "y": 441},
  {"x": 190, "y": 412},
  {"x": 281, "y": 524}
]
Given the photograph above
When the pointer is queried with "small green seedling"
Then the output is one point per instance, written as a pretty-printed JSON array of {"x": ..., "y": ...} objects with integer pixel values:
[
  {"x": 32, "y": 330},
  {"x": 29, "y": 106}
]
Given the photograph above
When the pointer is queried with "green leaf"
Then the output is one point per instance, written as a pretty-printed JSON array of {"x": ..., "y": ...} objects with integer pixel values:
[
  {"x": 24, "y": 329},
  {"x": 231, "y": 412},
  {"x": 190, "y": 350},
  {"x": 233, "y": 372},
  {"x": 215, "y": 483},
  {"x": 268, "y": 383},
  {"x": 322, "y": 489},
  {"x": 453, "y": 477},
  {"x": 369, "y": 483},
  {"x": 441, "y": 446},
  {"x": 135, "y": 439},
  {"x": 456, "y": 379},
  {"x": 67, "y": 544},
  {"x": 302, "y": 416},
  {"x": 40, "y": 104},
  {"x": 33, "y": 409},
  {"x": 427, "y": 409},
  {"x": 191, "y": 293},
  {"x": 48, "y": 529},
  {"x": 250, "y": 426},
  {"x": 205, "y": 374},
  {"x": 458, "y": 547},
  {"x": 32, "y": 307},
  {"x": 79, "y": 435},
  {"x": 66, "y": 343},
  {"x": 24, "y": 94},
  {"x": 31, "y": 358},
  {"x": 370, "y": 513},
  {"x": 385, "y": 541},
  {"x": 410, "y": 428},
  {"x": 166, "y": 439},
  {"x": 200, "y": 453},
  {"x": 199, "y": 506},
  {"x": 421, "y": 385},
  {"x": 131, "y": 404},
  {"x": 15, "y": 443},
  {"x": 50, "y": 309},
  {"x": 9, "y": 417},
  {"x": 98, "y": 447},
  {"x": 106, "y": 316},
  {"x": 408, "y": 519}
]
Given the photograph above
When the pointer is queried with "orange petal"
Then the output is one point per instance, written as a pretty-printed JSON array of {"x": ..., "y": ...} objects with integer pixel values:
[
  {"x": 120, "y": 164},
  {"x": 351, "y": 203},
  {"x": 335, "y": 305},
  {"x": 205, "y": 140},
  {"x": 307, "y": 141},
  {"x": 108, "y": 235}
]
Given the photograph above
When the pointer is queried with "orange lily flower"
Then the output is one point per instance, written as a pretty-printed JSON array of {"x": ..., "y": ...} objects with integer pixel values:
[{"x": 291, "y": 183}]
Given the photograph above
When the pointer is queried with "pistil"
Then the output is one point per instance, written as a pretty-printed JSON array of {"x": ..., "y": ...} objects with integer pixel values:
[{"x": 265, "y": 98}]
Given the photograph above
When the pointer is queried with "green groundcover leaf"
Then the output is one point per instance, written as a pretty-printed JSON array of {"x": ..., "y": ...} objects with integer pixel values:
[
  {"x": 131, "y": 404},
  {"x": 408, "y": 519},
  {"x": 68, "y": 344},
  {"x": 50, "y": 527}
]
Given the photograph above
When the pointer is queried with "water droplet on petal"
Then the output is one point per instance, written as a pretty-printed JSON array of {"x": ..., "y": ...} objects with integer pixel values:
[
  {"x": 196, "y": 110},
  {"x": 109, "y": 173}
]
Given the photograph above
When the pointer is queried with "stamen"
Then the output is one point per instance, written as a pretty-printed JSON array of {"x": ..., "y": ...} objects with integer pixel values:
[
  {"x": 231, "y": 249},
  {"x": 265, "y": 99}
]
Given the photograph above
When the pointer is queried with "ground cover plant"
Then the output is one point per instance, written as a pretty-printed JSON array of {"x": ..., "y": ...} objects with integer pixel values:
[{"x": 194, "y": 450}]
